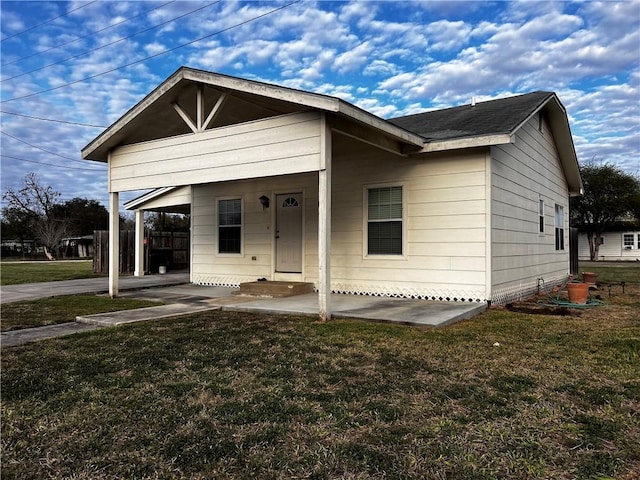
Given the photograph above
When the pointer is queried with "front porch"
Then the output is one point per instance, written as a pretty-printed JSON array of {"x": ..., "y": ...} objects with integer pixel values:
[{"x": 424, "y": 313}]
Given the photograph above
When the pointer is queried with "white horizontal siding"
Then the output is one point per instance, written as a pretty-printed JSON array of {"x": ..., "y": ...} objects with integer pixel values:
[
  {"x": 258, "y": 235},
  {"x": 612, "y": 249},
  {"x": 445, "y": 233},
  {"x": 444, "y": 225},
  {"x": 275, "y": 146},
  {"x": 522, "y": 173}
]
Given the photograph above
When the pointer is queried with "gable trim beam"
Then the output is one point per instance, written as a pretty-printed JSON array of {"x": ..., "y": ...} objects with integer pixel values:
[
  {"x": 367, "y": 135},
  {"x": 185, "y": 117},
  {"x": 214, "y": 111},
  {"x": 469, "y": 142}
]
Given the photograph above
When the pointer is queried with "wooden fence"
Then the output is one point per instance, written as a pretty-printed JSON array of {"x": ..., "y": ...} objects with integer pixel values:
[{"x": 169, "y": 249}]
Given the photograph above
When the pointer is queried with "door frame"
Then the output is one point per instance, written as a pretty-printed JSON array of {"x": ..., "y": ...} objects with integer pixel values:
[{"x": 282, "y": 276}]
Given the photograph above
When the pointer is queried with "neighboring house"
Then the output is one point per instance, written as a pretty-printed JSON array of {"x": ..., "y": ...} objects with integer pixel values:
[
  {"x": 463, "y": 204},
  {"x": 614, "y": 246}
]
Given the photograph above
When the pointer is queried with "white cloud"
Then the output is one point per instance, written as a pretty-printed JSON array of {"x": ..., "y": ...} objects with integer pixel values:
[{"x": 353, "y": 59}]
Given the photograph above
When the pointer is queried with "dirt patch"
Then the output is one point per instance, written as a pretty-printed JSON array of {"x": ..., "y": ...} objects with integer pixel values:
[{"x": 536, "y": 309}]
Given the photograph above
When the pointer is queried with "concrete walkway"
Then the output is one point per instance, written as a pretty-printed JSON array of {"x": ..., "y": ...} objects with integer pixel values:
[
  {"x": 186, "y": 299},
  {"x": 33, "y": 291}
]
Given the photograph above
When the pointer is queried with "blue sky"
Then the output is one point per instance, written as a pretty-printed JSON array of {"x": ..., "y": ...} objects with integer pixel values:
[{"x": 80, "y": 65}]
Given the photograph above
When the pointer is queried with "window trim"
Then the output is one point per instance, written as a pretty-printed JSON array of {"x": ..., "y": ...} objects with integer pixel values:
[
  {"x": 633, "y": 240},
  {"x": 365, "y": 222},
  {"x": 541, "y": 217},
  {"x": 217, "y": 217},
  {"x": 559, "y": 238}
]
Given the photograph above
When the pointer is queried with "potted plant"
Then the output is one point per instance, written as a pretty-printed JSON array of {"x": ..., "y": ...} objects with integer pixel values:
[{"x": 578, "y": 292}]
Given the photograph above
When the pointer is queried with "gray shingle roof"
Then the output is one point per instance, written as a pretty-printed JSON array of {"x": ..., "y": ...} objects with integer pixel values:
[{"x": 484, "y": 118}]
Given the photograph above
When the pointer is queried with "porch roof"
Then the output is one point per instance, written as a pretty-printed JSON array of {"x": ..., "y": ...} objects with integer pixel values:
[
  {"x": 154, "y": 116},
  {"x": 162, "y": 200}
]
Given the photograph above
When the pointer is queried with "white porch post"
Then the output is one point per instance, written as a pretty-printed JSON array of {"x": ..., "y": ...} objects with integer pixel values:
[
  {"x": 139, "y": 244},
  {"x": 114, "y": 243},
  {"x": 324, "y": 223}
]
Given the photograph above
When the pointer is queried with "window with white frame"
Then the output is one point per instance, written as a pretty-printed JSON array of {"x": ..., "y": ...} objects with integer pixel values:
[
  {"x": 384, "y": 221},
  {"x": 541, "y": 215},
  {"x": 559, "y": 227},
  {"x": 627, "y": 241},
  {"x": 230, "y": 226}
]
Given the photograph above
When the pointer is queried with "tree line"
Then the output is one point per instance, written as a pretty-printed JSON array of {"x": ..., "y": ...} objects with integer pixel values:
[{"x": 35, "y": 211}]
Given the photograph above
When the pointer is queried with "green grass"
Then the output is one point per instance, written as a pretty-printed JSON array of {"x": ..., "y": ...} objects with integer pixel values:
[
  {"x": 628, "y": 272},
  {"x": 229, "y": 395},
  {"x": 13, "y": 273},
  {"x": 50, "y": 311}
]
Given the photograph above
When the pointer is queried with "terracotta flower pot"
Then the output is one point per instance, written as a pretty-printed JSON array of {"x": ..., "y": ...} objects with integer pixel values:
[
  {"x": 578, "y": 292},
  {"x": 590, "y": 277}
]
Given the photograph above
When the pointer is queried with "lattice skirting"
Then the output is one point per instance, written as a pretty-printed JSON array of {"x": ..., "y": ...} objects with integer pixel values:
[
  {"x": 416, "y": 292},
  {"x": 220, "y": 281},
  {"x": 515, "y": 293}
]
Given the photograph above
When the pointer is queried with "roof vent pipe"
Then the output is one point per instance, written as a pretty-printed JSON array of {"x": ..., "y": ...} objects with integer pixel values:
[{"x": 473, "y": 101}]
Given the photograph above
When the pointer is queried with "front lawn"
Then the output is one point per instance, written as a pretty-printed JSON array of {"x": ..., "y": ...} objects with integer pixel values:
[
  {"x": 611, "y": 272},
  {"x": 50, "y": 311},
  {"x": 13, "y": 273},
  {"x": 229, "y": 395}
]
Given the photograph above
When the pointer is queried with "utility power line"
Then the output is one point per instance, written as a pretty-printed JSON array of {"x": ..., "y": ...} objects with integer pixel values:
[
  {"x": 44, "y": 150},
  {"x": 164, "y": 52},
  {"x": 48, "y": 21},
  {"x": 121, "y": 39},
  {"x": 87, "y": 35},
  {"x": 50, "y": 164},
  {"x": 52, "y": 120}
]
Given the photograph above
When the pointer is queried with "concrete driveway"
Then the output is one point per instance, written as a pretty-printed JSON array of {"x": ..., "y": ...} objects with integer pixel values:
[{"x": 33, "y": 291}]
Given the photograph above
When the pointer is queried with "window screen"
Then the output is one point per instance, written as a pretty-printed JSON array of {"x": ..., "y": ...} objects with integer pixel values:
[
  {"x": 384, "y": 221},
  {"x": 559, "y": 227},
  {"x": 229, "y": 226}
]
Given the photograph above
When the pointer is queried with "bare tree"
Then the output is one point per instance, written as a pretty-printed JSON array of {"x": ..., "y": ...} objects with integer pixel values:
[{"x": 37, "y": 203}]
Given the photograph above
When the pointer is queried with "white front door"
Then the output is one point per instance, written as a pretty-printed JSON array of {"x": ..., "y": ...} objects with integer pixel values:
[{"x": 289, "y": 233}]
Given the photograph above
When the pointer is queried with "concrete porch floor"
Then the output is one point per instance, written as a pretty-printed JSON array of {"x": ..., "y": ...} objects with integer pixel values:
[{"x": 396, "y": 310}]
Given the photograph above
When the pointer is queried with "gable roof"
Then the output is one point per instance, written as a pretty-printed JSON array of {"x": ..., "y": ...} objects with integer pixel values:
[
  {"x": 494, "y": 117},
  {"x": 154, "y": 116},
  {"x": 495, "y": 122},
  {"x": 482, "y": 124}
]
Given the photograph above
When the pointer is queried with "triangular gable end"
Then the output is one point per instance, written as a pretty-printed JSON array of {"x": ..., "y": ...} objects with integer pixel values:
[
  {"x": 193, "y": 100},
  {"x": 556, "y": 114}
]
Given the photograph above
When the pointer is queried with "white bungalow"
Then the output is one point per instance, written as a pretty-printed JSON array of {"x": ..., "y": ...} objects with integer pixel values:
[
  {"x": 615, "y": 246},
  {"x": 463, "y": 204}
]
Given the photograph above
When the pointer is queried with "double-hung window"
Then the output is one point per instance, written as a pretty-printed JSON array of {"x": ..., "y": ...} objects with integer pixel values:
[
  {"x": 230, "y": 225},
  {"x": 559, "y": 227},
  {"x": 384, "y": 221},
  {"x": 627, "y": 241}
]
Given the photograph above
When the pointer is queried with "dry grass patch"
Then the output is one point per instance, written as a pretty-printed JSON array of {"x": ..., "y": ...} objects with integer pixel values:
[
  {"x": 229, "y": 395},
  {"x": 51, "y": 311}
]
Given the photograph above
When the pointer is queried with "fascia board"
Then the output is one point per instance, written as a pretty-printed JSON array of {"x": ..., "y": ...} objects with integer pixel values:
[
  {"x": 468, "y": 142},
  {"x": 146, "y": 197},
  {"x": 136, "y": 110},
  {"x": 380, "y": 124}
]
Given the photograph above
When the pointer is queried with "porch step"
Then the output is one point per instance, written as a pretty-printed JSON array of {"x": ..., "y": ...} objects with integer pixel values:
[{"x": 274, "y": 289}]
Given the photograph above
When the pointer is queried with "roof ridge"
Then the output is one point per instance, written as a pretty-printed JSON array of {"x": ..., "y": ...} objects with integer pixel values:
[{"x": 484, "y": 102}]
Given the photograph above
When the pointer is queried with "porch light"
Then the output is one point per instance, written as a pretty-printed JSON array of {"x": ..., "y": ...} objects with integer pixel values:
[{"x": 264, "y": 200}]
